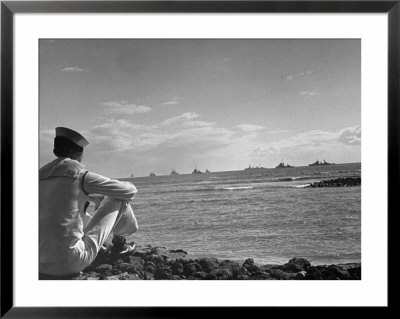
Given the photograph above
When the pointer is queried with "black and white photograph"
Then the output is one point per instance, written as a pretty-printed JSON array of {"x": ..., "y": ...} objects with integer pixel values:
[{"x": 199, "y": 159}]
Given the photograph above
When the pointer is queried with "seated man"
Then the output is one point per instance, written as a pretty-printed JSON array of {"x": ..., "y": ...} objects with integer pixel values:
[{"x": 66, "y": 244}]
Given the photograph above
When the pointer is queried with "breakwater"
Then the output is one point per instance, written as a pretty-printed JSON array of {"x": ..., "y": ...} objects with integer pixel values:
[{"x": 338, "y": 182}]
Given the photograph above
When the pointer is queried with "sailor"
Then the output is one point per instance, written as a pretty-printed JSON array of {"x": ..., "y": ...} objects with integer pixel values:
[{"x": 68, "y": 240}]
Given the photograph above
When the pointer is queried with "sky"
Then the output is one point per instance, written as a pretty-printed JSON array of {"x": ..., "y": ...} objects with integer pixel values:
[{"x": 156, "y": 105}]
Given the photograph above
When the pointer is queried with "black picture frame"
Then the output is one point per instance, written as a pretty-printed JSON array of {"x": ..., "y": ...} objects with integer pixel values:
[{"x": 9, "y": 8}]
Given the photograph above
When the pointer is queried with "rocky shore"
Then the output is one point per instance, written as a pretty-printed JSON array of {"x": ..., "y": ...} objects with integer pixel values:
[
  {"x": 159, "y": 263},
  {"x": 338, "y": 182}
]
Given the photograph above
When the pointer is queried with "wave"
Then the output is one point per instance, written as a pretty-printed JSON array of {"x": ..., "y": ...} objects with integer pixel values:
[
  {"x": 234, "y": 188},
  {"x": 296, "y": 178},
  {"x": 301, "y": 186}
]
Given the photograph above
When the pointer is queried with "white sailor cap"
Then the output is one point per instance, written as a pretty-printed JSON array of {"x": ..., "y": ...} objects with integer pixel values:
[{"x": 73, "y": 136}]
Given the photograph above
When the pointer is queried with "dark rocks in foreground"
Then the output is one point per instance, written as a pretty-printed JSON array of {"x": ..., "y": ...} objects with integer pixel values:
[
  {"x": 338, "y": 182},
  {"x": 159, "y": 263}
]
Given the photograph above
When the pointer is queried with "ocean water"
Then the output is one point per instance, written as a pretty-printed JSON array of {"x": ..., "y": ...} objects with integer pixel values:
[{"x": 264, "y": 214}]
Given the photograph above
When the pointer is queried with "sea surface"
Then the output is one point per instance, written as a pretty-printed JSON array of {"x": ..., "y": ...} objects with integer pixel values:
[{"x": 265, "y": 214}]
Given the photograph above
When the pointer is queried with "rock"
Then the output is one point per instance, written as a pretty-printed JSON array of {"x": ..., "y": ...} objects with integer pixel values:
[
  {"x": 159, "y": 251},
  {"x": 223, "y": 273},
  {"x": 103, "y": 268},
  {"x": 209, "y": 264},
  {"x": 326, "y": 273},
  {"x": 300, "y": 275},
  {"x": 149, "y": 263},
  {"x": 268, "y": 267},
  {"x": 339, "y": 272},
  {"x": 121, "y": 260},
  {"x": 248, "y": 261},
  {"x": 200, "y": 274},
  {"x": 197, "y": 266},
  {"x": 338, "y": 182},
  {"x": 233, "y": 267},
  {"x": 116, "y": 277},
  {"x": 291, "y": 268},
  {"x": 313, "y": 273},
  {"x": 131, "y": 277},
  {"x": 177, "y": 254},
  {"x": 249, "y": 266},
  {"x": 301, "y": 262},
  {"x": 280, "y": 275},
  {"x": 125, "y": 267},
  {"x": 211, "y": 276},
  {"x": 355, "y": 272},
  {"x": 163, "y": 273},
  {"x": 261, "y": 276},
  {"x": 150, "y": 267},
  {"x": 177, "y": 268},
  {"x": 156, "y": 258},
  {"x": 135, "y": 261},
  {"x": 190, "y": 268},
  {"x": 148, "y": 276},
  {"x": 253, "y": 269}
]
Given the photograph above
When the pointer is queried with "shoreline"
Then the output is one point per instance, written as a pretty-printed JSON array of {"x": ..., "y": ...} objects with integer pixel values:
[{"x": 160, "y": 263}]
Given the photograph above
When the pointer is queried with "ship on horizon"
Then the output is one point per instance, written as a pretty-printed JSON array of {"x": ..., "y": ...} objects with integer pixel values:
[
  {"x": 283, "y": 165},
  {"x": 196, "y": 171},
  {"x": 152, "y": 174},
  {"x": 318, "y": 163},
  {"x": 174, "y": 172},
  {"x": 253, "y": 167}
]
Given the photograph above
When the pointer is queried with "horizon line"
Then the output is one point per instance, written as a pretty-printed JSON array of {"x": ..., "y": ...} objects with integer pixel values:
[{"x": 238, "y": 170}]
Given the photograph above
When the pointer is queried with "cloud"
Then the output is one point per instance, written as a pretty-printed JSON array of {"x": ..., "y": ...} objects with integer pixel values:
[
  {"x": 185, "y": 117},
  {"x": 170, "y": 103},
  {"x": 351, "y": 136},
  {"x": 118, "y": 127},
  {"x": 307, "y": 93},
  {"x": 250, "y": 127},
  {"x": 188, "y": 119},
  {"x": 72, "y": 69},
  {"x": 183, "y": 131},
  {"x": 310, "y": 142},
  {"x": 278, "y": 131},
  {"x": 197, "y": 140},
  {"x": 123, "y": 107},
  {"x": 291, "y": 77},
  {"x": 173, "y": 101},
  {"x": 199, "y": 123}
]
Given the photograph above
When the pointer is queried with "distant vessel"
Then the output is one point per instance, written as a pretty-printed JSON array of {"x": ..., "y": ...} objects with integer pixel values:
[
  {"x": 207, "y": 171},
  {"x": 318, "y": 163},
  {"x": 152, "y": 174},
  {"x": 283, "y": 165},
  {"x": 132, "y": 176},
  {"x": 174, "y": 172},
  {"x": 196, "y": 171},
  {"x": 254, "y": 167}
]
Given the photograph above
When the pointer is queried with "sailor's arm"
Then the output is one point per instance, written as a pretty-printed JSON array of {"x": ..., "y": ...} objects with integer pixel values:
[{"x": 97, "y": 184}]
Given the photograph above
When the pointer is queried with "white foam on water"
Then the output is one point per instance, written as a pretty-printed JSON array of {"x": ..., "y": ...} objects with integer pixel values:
[{"x": 237, "y": 188}]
